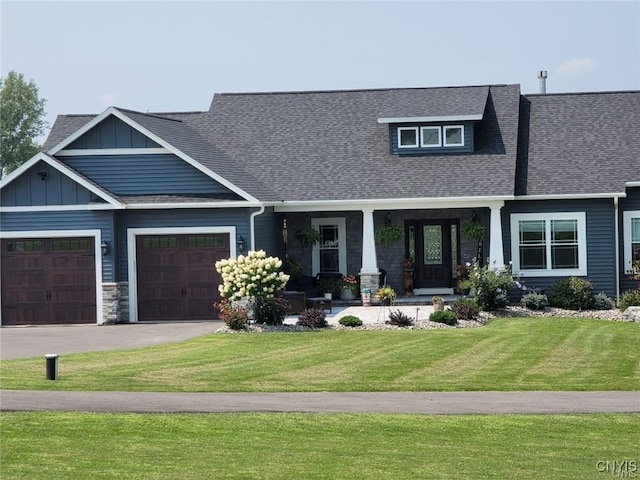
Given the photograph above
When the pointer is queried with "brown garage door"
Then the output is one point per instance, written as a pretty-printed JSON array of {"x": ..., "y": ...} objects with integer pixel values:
[
  {"x": 177, "y": 279},
  {"x": 48, "y": 280}
]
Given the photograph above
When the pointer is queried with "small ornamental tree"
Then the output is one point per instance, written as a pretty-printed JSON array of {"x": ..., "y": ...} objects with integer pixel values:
[{"x": 255, "y": 277}]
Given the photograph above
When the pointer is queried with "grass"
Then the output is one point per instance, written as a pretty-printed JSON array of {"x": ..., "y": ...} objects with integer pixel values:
[
  {"x": 506, "y": 354},
  {"x": 313, "y": 446}
]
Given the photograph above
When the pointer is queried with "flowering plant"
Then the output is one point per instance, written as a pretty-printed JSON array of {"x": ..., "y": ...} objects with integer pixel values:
[
  {"x": 351, "y": 283},
  {"x": 491, "y": 285},
  {"x": 255, "y": 276}
]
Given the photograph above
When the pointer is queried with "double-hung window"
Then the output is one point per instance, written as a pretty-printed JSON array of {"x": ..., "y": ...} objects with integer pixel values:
[
  {"x": 549, "y": 244},
  {"x": 631, "y": 233}
]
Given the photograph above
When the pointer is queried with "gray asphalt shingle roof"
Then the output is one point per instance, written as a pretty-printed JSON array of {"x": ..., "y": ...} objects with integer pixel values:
[
  {"x": 583, "y": 143},
  {"x": 320, "y": 146}
]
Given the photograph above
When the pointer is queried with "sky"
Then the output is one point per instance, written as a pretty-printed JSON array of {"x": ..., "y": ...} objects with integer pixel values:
[{"x": 162, "y": 56}]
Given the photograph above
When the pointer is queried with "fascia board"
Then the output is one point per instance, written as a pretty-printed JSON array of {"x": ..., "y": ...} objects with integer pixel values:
[
  {"x": 21, "y": 169},
  {"x": 168, "y": 205},
  {"x": 442, "y": 118},
  {"x": 81, "y": 131},
  {"x": 392, "y": 204},
  {"x": 570, "y": 196}
]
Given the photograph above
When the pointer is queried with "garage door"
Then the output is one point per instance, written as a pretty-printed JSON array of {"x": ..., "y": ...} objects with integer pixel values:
[
  {"x": 177, "y": 279},
  {"x": 48, "y": 281}
]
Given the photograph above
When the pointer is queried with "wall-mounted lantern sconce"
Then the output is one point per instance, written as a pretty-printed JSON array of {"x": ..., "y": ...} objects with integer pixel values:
[
  {"x": 105, "y": 247},
  {"x": 241, "y": 244},
  {"x": 44, "y": 174}
]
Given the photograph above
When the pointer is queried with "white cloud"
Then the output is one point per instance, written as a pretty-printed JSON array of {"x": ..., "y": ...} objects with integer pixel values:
[
  {"x": 108, "y": 99},
  {"x": 576, "y": 66}
]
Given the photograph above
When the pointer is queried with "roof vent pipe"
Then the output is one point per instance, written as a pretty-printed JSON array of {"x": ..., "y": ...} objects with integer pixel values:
[{"x": 542, "y": 77}]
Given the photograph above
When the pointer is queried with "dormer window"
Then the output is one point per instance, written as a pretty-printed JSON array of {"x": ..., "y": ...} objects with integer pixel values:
[
  {"x": 430, "y": 137},
  {"x": 420, "y": 138},
  {"x": 453, "y": 136},
  {"x": 408, "y": 137}
]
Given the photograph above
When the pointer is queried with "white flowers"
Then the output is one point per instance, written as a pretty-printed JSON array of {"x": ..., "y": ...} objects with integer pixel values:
[{"x": 253, "y": 276}]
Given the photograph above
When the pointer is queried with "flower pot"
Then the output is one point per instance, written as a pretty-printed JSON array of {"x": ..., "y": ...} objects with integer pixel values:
[
  {"x": 386, "y": 302},
  {"x": 328, "y": 295},
  {"x": 438, "y": 306},
  {"x": 346, "y": 294}
]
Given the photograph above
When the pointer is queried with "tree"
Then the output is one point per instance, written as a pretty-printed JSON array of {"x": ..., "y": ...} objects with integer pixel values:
[{"x": 21, "y": 121}]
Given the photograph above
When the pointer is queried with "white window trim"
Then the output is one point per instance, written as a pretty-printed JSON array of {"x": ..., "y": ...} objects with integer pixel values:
[
  {"x": 402, "y": 129},
  {"x": 444, "y": 136},
  {"x": 342, "y": 243},
  {"x": 580, "y": 217},
  {"x": 626, "y": 234},
  {"x": 422, "y": 129}
]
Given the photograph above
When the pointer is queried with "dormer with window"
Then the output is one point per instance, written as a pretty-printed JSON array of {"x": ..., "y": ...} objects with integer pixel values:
[{"x": 434, "y": 121}]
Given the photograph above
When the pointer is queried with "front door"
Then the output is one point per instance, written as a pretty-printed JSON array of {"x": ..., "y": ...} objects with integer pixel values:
[{"x": 435, "y": 252}]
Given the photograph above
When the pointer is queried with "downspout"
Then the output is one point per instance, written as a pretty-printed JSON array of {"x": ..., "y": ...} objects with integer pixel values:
[
  {"x": 617, "y": 245},
  {"x": 252, "y": 227}
]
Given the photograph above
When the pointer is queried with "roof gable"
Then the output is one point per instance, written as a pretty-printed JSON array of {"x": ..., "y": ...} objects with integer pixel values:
[{"x": 28, "y": 186}]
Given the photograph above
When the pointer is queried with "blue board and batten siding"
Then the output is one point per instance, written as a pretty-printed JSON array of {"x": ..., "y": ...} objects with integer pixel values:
[
  {"x": 69, "y": 220},
  {"x": 112, "y": 133},
  {"x": 55, "y": 189},
  {"x": 268, "y": 233},
  {"x": 630, "y": 203},
  {"x": 145, "y": 174},
  {"x": 600, "y": 226}
]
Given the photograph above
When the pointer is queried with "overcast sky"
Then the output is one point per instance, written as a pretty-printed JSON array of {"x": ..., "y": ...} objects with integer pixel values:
[{"x": 173, "y": 56}]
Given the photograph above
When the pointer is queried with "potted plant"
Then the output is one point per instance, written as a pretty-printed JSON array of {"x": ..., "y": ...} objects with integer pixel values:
[
  {"x": 349, "y": 287},
  {"x": 308, "y": 236},
  {"x": 388, "y": 234},
  {"x": 438, "y": 302},
  {"x": 386, "y": 295},
  {"x": 330, "y": 287},
  {"x": 475, "y": 230},
  {"x": 464, "y": 286}
]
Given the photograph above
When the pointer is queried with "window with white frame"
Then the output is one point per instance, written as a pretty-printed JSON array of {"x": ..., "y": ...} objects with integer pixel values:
[
  {"x": 454, "y": 136},
  {"x": 330, "y": 253},
  {"x": 549, "y": 244},
  {"x": 631, "y": 234},
  {"x": 407, "y": 137},
  {"x": 430, "y": 137}
]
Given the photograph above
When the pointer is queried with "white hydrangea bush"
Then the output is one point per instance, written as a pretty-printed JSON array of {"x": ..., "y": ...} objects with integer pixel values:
[{"x": 254, "y": 276}]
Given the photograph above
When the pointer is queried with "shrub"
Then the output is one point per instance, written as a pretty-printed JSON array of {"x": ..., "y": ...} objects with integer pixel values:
[
  {"x": 444, "y": 316},
  {"x": 350, "y": 321},
  {"x": 535, "y": 301},
  {"x": 465, "y": 309},
  {"x": 630, "y": 298},
  {"x": 571, "y": 293},
  {"x": 313, "y": 318},
  {"x": 400, "y": 319},
  {"x": 272, "y": 311},
  {"x": 491, "y": 285},
  {"x": 601, "y": 301},
  {"x": 235, "y": 317},
  {"x": 255, "y": 276}
]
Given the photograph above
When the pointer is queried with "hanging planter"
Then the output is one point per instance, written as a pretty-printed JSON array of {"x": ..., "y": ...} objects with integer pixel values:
[
  {"x": 388, "y": 234},
  {"x": 474, "y": 230},
  {"x": 308, "y": 236}
]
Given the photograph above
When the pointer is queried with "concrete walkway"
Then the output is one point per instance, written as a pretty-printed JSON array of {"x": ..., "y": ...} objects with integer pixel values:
[{"x": 383, "y": 402}]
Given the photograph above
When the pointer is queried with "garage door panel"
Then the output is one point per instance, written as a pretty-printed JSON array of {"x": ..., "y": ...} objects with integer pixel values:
[
  {"x": 182, "y": 261},
  {"x": 48, "y": 281}
]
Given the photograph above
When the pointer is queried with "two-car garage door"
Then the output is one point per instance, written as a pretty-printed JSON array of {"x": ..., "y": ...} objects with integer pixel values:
[{"x": 48, "y": 280}]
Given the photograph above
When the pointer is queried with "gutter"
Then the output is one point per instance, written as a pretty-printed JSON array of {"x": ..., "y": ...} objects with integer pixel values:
[
  {"x": 252, "y": 227},
  {"x": 616, "y": 222}
]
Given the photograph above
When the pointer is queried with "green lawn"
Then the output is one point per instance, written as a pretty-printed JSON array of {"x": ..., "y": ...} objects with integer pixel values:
[
  {"x": 313, "y": 446},
  {"x": 506, "y": 354}
]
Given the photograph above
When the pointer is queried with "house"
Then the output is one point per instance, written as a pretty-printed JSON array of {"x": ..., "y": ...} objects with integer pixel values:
[{"x": 122, "y": 214}]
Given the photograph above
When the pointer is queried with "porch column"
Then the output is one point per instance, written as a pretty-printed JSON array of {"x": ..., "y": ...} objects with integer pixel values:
[
  {"x": 496, "y": 251},
  {"x": 369, "y": 261}
]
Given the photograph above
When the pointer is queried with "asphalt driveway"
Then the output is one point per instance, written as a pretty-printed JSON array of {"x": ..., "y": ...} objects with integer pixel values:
[{"x": 32, "y": 341}]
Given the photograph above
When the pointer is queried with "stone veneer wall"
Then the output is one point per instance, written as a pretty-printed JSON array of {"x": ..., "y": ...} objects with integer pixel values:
[{"x": 115, "y": 302}]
